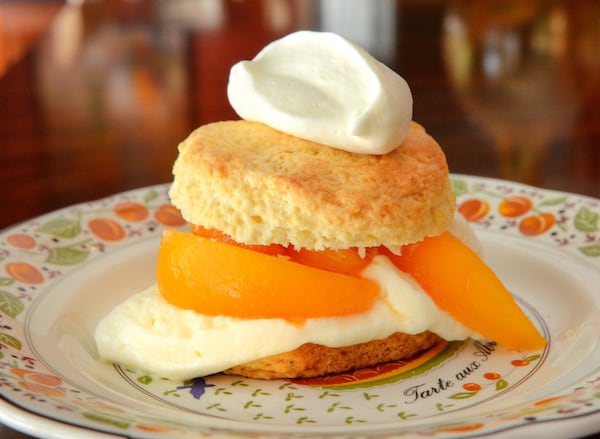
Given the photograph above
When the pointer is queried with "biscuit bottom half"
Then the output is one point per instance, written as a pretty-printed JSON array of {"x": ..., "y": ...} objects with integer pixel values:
[{"x": 313, "y": 360}]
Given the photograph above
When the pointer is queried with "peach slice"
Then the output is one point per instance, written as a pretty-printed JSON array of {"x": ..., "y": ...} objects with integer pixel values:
[
  {"x": 460, "y": 283},
  {"x": 271, "y": 249},
  {"x": 215, "y": 278},
  {"x": 346, "y": 261}
]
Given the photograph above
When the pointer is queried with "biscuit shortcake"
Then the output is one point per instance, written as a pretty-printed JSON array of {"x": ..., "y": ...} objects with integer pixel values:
[{"x": 262, "y": 187}]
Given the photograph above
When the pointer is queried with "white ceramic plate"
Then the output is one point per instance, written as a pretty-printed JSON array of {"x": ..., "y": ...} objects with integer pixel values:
[{"x": 60, "y": 273}]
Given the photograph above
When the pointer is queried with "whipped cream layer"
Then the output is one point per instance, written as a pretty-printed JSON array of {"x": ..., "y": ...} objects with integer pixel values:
[
  {"x": 320, "y": 87},
  {"x": 148, "y": 333}
]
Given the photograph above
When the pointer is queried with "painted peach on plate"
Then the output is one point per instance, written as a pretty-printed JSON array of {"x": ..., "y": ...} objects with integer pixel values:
[
  {"x": 515, "y": 206},
  {"x": 131, "y": 211},
  {"x": 474, "y": 209},
  {"x": 39, "y": 382},
  {"x": 169, "y": 215},
  {"x": 537, "y": 224},
  {"x": 21, "y": 240},
  {"x": 107, "y": 229},
  {"x": 24, "y": 272}
]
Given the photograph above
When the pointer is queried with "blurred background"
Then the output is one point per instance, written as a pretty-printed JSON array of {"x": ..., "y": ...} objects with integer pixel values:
[{"x": 95, "y": 95}]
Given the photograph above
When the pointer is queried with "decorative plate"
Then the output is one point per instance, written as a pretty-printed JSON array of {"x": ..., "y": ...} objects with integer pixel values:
[{"x": 62, "y": 272}]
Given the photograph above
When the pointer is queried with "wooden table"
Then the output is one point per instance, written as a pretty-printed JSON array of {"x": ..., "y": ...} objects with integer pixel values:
[{"x": 95, "y": 96}]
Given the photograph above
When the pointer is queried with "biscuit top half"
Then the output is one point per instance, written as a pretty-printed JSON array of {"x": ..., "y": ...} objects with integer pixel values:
[{"x": 261, "y": 186}]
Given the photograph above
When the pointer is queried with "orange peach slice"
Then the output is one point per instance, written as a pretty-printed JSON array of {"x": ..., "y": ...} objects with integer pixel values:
[
  {"x": 346, "y": 261},
  {"x": 460, "y": 283},
  {"x": 272, "y": 249},
  {"x": 215, "y": 278}
]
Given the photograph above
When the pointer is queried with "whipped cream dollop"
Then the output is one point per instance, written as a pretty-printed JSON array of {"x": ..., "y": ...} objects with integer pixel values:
[{"x": 321, "y": 87}]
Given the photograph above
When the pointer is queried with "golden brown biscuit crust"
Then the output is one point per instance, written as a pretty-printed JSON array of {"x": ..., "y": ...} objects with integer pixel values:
[
  {"x": 262, "y": 186},
  {"x": 313, "y": 360}
]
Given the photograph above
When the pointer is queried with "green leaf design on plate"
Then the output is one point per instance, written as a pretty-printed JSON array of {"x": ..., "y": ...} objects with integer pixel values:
[
  {"x": 66, "y": 256},
  {"x": 150, "y": 196},
  {"x": 261, "y": 416},
  {"x": 61, "y": 227},
  {"x": 462, "y": 395},
  {"x": 501, "y": 384},
  {"x": 10, "y": 304},
  {"x": 5, "y": 281},
  {"x": 10, "y": 341},
  {"x": 553, "y": 201},
  {"x": 591, "y": 250},
  {"x": 222, "y": 390},
  {"x": 352, "y": 420},
  {"x": 533, "y": 358},
  {"x": 292, "y": 407},
  {"x": 106, "y": 419},
  {"x": 404, "y": 415},
  {"x": 251, "y": 404},
  {"x": 459, "y": 187},
  {"x": 382, "y": 407},
  {"x": 586, "y": 220},
  {"x": 145, "y": 379},
  {"x": 336, "y": 405}
]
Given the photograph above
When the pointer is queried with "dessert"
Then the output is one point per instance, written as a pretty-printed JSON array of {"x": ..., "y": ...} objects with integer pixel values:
[{"x": 323, "y": 233}]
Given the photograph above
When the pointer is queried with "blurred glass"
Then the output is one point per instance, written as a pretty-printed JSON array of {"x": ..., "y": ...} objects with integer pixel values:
[
  {"x": 518, "y": 68},
  {"x": 371, "y": 25}
]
